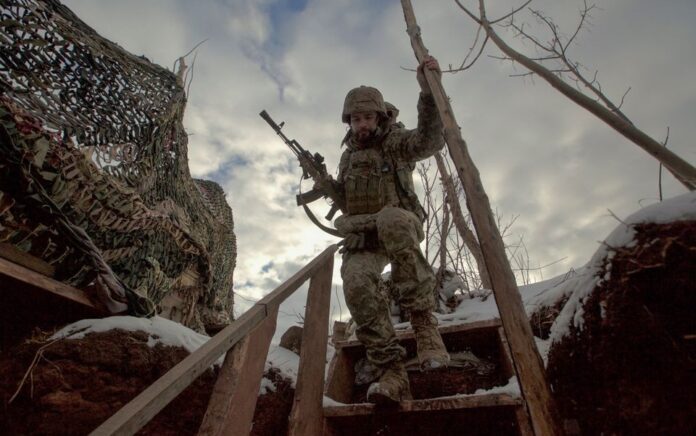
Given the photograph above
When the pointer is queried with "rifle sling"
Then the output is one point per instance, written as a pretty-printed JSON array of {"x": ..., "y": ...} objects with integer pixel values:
[{"x": 316, "y": 222}]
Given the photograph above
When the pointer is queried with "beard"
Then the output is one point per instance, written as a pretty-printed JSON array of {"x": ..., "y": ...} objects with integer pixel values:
[{"x": 366, "y": 137}]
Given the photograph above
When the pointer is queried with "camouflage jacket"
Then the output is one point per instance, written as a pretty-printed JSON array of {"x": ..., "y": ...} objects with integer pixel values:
[{"x": 382, "y": 174}]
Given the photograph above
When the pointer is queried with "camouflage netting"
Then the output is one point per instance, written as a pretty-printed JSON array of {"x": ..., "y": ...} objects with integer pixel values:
[{"x": 94, "y": 175}]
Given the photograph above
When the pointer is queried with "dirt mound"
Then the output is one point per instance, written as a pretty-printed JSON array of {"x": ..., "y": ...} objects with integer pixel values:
[
  {"x": 631, "y": 369},
  {"x": 77, "y": 384},
  {"x": 273, "y": 408}
]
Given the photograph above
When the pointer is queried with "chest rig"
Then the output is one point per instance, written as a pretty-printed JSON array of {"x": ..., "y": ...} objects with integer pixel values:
[{"x": 373, "y": 180}]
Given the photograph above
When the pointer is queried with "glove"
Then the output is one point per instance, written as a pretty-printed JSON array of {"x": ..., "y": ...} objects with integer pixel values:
[{"x": 352, "y": 242}]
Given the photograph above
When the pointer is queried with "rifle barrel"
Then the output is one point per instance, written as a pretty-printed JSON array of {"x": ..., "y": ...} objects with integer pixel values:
[{"x": 269, "y": 120}]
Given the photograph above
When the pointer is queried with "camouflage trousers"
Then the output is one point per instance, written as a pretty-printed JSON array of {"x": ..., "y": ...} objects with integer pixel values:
[{"x": 400, "y": 233}]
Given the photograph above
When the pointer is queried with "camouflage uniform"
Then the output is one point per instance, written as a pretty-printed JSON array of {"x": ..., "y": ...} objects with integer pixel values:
[{"x": 381, "y": 202}]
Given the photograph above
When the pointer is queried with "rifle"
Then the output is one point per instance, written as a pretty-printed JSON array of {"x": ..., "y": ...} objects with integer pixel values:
[{"x": 313, "y": 167}]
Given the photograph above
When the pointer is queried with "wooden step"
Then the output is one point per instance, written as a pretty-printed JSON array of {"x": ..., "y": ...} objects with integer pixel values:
[
  {"x": 442, "y": 403},
  {"x": 431, "y": 411},
  {"x": 486, "y": 414},
  {"x": 445, "y": 331},
  {"x": 483, "y": 338}
]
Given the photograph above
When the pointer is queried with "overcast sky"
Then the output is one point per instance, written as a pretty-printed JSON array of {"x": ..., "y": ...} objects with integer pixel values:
[{"x": 541, "y": 157}]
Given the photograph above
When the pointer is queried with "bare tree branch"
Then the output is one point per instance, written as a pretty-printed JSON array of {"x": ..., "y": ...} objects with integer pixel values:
[{"x": 600, "y": 106}]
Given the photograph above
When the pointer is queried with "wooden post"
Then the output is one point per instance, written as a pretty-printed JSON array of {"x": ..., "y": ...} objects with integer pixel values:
[
  {"x": 307, "y": 415},
  {"x": 528, "y": 363},
  {"x": 232, "y": 404}
]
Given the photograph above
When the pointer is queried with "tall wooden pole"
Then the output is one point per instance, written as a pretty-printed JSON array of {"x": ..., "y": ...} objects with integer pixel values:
[{"x": 528, "y": 363}]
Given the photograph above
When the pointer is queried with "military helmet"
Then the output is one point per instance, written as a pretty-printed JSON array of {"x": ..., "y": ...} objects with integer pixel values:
[
  {"x": 363, "y": 99},
  {"x": 392, "y": 111}
]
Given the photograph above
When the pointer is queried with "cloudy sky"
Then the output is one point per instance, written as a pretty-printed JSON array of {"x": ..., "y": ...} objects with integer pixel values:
[{"x": 541, "y": 157}]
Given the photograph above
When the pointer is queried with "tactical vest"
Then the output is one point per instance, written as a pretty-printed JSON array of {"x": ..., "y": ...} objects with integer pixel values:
[{"x": 373, "y": 180}]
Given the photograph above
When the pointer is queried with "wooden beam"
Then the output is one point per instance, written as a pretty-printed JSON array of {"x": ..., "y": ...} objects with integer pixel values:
[
  {"x": 41, "y": 282},
  {"x": 307, "y": 417},
  {"x": 470, "y": 327},
  {"x": 13, "y": 254},
  {"x": 528, "y": 363},
  {"x": 219, "y": 405},
  {"x": 506, "y": 363},
  {"x": 524, "y": 428},
  {"x": 340, "y": 379},
  {"x": 443, "y": 403},
  {"x": 134, "y": 415},
  {"x": 232, "y": 404}
]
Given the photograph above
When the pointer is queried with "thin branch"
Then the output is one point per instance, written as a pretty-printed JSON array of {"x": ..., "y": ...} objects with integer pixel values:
[
  {"x": 469, "y": 13},
  {"x": 514, "y": 11}
]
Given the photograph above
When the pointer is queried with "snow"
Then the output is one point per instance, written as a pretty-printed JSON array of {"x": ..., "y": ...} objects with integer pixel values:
[
  {"x": 512, "y": 388},
  {"x": 160, "y": 330},
  {"x": 267, "y": 386},
  {"x": 679, "y": 208},
  {"x": 167, "y": 332},
  {"x": 285, "y": 361},
  {"x": 330, "y": 402}
]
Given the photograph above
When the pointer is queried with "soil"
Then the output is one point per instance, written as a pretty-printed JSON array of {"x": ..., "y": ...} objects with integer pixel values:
[
  {"x": 77, "y": 384},
  {"x": 273, "y": 408},
  {"x": 631, "y": 370}
]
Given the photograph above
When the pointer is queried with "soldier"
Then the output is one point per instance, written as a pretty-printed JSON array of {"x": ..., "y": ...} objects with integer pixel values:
[{"x": 384, "y": 225}]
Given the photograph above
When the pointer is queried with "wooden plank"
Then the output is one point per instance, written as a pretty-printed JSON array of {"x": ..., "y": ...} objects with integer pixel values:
[
  {"x": 505, "y": 357},
  {"x": 306, "y": 417},
  {"x": 470, "y": 327},
  {"x": 24, "y": 307},
  {"x": 232, "y": 404},
  {"x": 530, "y": 368},
  {"x": 524, "y": 427},
  {"x": 225, "y": 385},
  {"x": 139, "y": 411},
  {"x": 430, "y": 404},
  {"x": 40, "y": 281},
  {"x": 13, "y": 254},
  {"x": 340, "y": 379}
]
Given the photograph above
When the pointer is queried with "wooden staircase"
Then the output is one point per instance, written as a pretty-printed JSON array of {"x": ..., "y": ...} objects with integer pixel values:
[
  {"x": 336, "y": 407},
  {"x": 435, "y": 410}
]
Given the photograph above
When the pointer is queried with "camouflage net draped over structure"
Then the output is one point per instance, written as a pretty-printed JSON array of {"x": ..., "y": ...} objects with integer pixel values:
[{"x": 94, "y": 171}]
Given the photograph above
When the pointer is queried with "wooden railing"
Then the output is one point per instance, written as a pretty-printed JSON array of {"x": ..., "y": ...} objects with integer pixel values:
[{"x": 232, "y": 403}]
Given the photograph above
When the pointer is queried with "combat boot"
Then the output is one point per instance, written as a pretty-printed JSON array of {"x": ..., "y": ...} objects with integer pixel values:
[
  {"x": 392, "y": 387},
  {"x": 432, "y": 353}
]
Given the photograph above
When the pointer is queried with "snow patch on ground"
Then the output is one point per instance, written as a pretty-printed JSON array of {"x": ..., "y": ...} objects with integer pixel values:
[
  {"x": 285, "y": 361},
  {"x": 678, "y": 208},
  {"x": 512, "y": 388},
  {"x": 167, "y": 332},
  {"x": 160, "y": 330},
  {"x": 267, "y": 386}
]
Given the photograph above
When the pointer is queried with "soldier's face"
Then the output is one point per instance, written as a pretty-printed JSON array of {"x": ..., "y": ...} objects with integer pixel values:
[{"x": 363, "y": 124}]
